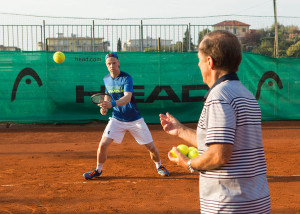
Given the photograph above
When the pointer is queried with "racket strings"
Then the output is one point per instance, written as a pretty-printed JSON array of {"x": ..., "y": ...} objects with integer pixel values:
[{"x": 100, "y": 97}]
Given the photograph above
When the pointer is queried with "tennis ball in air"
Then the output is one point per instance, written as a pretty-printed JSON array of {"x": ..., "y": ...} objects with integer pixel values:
[
  {"x": 59, "y": 57},
  {"x": 182, "y": 148},
  {"x": 193, "y": 153}
]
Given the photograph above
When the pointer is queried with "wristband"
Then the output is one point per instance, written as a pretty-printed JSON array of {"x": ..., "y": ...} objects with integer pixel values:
[
  {"x": 190, "y": 167},
  {"x": 113, "y": 103}
]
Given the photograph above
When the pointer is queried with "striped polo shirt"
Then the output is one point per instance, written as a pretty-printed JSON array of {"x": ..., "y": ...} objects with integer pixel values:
[{"x": 232, "y": 115}]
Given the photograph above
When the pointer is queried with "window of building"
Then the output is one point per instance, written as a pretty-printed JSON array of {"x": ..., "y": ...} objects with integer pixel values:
[{"x": 244, "y": 30}]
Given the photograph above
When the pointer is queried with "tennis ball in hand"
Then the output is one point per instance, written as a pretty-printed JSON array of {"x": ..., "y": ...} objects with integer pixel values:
[
  {"x": 182, "y": 148},
  {"x": 193, "y": 153},
  {"x": 59, "y": 57},
  {"x": 192, "y": 148},
  {"x": 173, "y": 154}
]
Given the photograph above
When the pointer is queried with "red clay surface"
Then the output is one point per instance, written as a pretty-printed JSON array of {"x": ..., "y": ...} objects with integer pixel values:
[{"x": 42, "y": 167}]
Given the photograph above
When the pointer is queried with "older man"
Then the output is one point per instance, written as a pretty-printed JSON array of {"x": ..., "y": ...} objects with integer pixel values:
[{"x": 231, "y": 158}]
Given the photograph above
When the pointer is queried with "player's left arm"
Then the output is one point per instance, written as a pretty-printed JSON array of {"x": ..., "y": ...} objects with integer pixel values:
[
  {"x": 125, "y": 99},
  {"x": 120, "y": 102},
  {"x": 128, "y": 90}
]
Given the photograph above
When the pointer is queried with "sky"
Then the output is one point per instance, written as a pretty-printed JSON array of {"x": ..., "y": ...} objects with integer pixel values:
[
  {"x": 150, "y": 8},
  {"x": 257, "y": 13}
]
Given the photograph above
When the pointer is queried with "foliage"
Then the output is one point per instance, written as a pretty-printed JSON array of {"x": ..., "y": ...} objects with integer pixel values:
[
  {"x": 294, "y": 50},
  {"x": 251, "y": 40},
  {"x": 262, "y": 41},
  {"x": 201, "y": 34},
  {"x": 265, "y": 48},
  {"x": 186, "y": 46}
]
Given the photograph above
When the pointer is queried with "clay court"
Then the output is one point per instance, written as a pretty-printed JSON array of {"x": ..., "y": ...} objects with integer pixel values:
[{"x": 42, "y": 167}]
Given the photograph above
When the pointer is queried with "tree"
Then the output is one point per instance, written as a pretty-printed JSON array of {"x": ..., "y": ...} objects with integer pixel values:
[
  {"x": 294, "y": 50},
  {"x": 251, "y": 40},
  {"x": 201, "y": 34},
  {"x": 266, "y": 48},
  {"x": 119, "y": 45},
  {"x": 261, "y": 41},
  {"x": 294, "y": 34},
  {"x": 283, "y": 47},
  {"x": 293, "y": 29},
  {"x": 186, "y": 44}
]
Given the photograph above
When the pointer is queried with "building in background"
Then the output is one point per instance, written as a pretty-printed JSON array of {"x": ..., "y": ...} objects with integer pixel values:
[
  {"x": 74, "y": 44},
  {"x": 148, "y": 43},
  {"x": 9, "y": 48},
  {"x": 238, "y": 28}
]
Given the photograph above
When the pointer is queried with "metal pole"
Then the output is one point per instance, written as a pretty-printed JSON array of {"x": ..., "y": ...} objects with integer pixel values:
[
  {"x": 158, "y": 44},
  {"x": 276, "y": 31},
  {"x": 93, "y": 36},
  {"x": 141, "y": 36},
  {"x": 189, "y": 30}
]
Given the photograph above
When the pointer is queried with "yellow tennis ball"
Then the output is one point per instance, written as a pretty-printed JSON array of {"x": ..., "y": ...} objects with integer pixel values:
[
  {"x": 192, "y": 148},
  {"x": 59, "y": 57},
  {"x": 184, "y": 149},
  {"x": 193, "y": 153},
  {"x": 173, "y": 154}
]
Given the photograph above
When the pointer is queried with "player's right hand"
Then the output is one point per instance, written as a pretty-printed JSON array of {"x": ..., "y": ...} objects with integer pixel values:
[{"x": 105, "y": 104}]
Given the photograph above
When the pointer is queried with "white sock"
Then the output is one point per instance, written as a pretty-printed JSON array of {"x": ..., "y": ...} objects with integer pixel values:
[
  {"x": 157, "y": 164},
  {"x": 99, "y": 167}
]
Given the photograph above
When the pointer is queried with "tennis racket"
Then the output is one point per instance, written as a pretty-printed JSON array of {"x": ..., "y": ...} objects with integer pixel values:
[{"x": 96, "y": 98}]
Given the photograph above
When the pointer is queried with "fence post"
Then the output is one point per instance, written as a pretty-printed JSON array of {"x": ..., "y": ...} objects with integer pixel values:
[
  {"x": 44, "y": 33},
  {"x": 93, "y": 36},
  {"x": 158, "y": 45},
  {"x": 42, "y": 44},
  {"x": 189, "y": 40},
  {"x": 276, "y": 31},
  {"x": 141, "y": 35}
]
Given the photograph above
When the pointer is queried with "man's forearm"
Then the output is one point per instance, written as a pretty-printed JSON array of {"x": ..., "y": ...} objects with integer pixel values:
[
  {"x": 187, "y": 134},
  {"x": 124, "y": 100},
  {"x": 216, "y": 156}
]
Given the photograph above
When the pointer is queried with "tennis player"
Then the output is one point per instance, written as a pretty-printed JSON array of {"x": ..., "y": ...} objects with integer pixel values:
[
  {"x": 125, "y": 117},
  {"x": 231, "y": 157}
]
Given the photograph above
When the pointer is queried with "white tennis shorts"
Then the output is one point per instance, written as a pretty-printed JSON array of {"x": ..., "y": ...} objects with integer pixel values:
[{"x": 116, "y": 130}]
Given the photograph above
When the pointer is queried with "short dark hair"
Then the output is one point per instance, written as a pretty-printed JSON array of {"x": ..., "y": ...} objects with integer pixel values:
[{"x": 224, "y": 48}]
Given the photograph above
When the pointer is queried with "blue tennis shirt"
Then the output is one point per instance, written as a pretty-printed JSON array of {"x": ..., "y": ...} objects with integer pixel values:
[{"x": 116, "y": 87}]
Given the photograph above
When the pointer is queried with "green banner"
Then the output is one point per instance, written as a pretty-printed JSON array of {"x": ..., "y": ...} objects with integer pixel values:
[{"x": 35, "y": 89}]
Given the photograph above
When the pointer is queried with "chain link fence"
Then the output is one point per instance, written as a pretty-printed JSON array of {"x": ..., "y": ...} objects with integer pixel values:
[{"x": 179, "y": 34}]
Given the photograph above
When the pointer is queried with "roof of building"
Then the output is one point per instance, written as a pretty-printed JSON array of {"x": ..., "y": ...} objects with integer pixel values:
[{"x": 231, "y": 22}]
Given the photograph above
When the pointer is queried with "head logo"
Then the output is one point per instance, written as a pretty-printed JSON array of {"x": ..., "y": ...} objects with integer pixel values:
[
  {"x": 23, "y": 73},
  {"x": 265, "y": 76}
]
